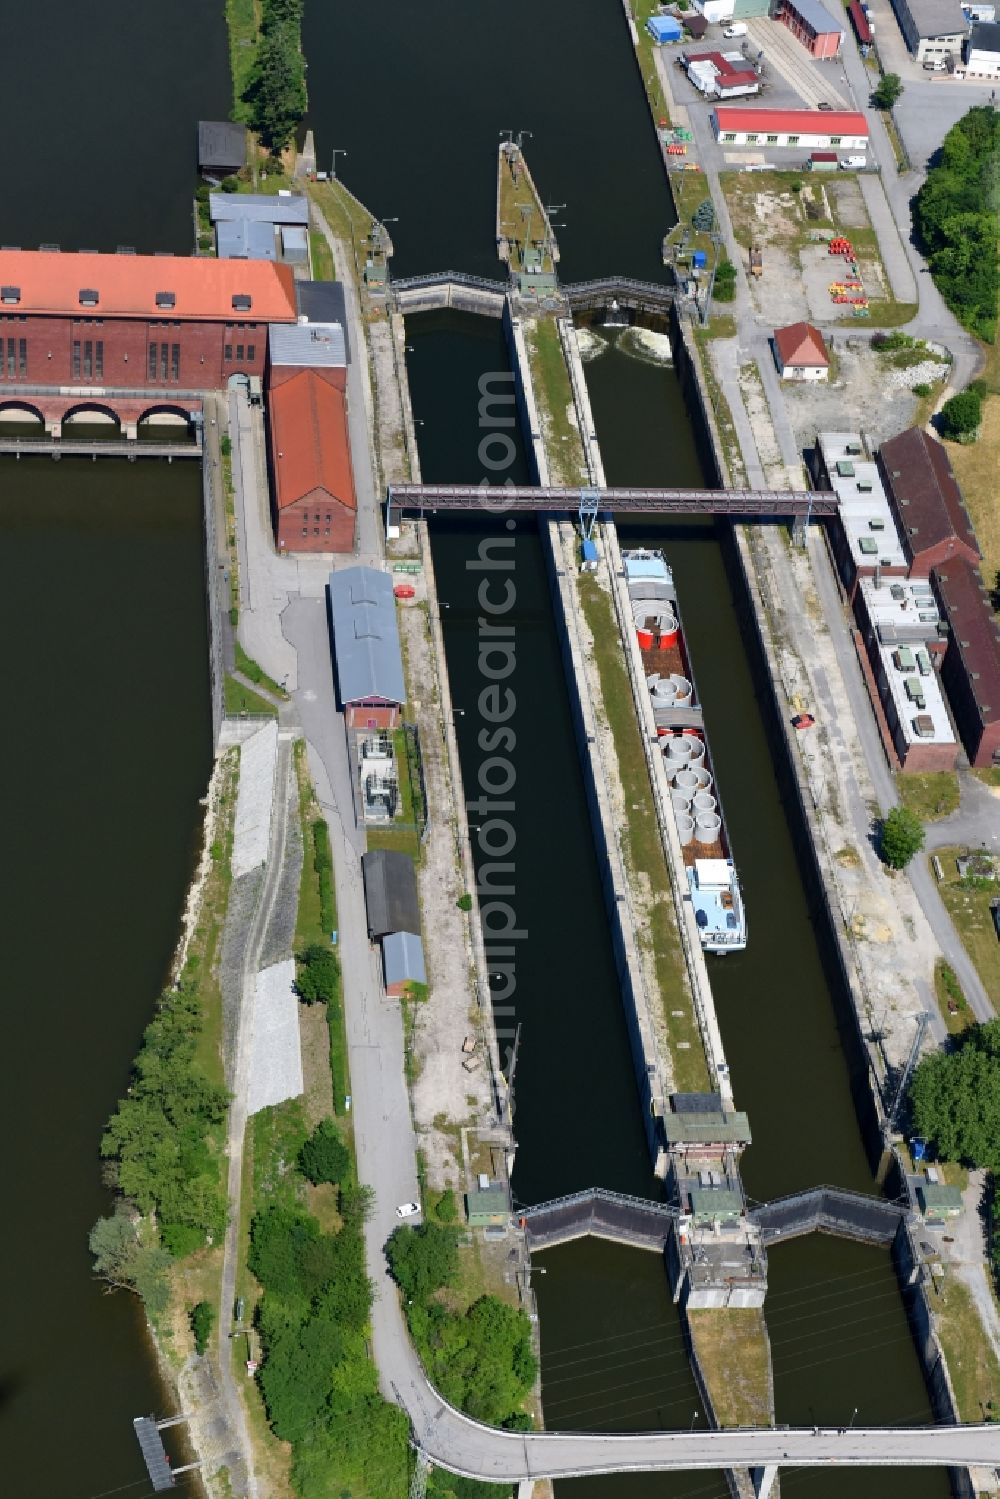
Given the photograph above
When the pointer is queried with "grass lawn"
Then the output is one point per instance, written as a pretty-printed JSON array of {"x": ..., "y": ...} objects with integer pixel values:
[
  {"x": 242, "y": 18},
  {"x": 646, "y": 51},
  {"x": 970, "y": 912},
  {"x": 989, "y": 777},
  {"x": 689, "y": 190},
  {"x": 248, "y": 666},
  {"x": 642, "y": 847},
  {"x": 322, "y": 257},
  {"x": 975, "y": 468},
  {"x": 240, "y": 700},
  {"x": 732, "y": 1349},
  {"x": 972, "y": 1364},
  {"x": 203, "y": 951},
  {"x": 949, "y": 994},
  {"x": 522, "y": 216},
  {"x": 554, "y": 394},
  {"x": 930, "y": 795},
  {"x": 345, "y": 216}
]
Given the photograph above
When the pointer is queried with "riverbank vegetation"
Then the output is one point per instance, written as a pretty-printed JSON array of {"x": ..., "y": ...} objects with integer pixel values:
[
  {"x": 956, "y": 218},
  {"x": 479, "y": 1356},
  {"x": 310, "y": 1296},
  {"x": 163, "y": 1146},
  {"x": 268, "y": 69}
]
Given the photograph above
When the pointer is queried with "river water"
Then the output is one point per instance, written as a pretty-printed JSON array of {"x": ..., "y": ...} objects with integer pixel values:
[{"x": 107, "y": 748}]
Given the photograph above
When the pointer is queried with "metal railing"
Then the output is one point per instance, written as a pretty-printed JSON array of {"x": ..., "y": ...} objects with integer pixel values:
[{"x": 442, "y": 278}]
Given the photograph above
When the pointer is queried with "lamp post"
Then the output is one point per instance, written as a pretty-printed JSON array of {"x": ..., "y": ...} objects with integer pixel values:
[{"x": 337, "y": 151}]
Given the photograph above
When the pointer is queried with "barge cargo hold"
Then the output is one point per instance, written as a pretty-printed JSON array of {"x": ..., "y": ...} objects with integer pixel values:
[{"x": 713, "y": 883}]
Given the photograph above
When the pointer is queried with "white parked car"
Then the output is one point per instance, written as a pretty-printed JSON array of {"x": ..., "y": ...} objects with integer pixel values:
[
  {"x": 739, "y": 28},
  {"x": 408, "y": 1210}
]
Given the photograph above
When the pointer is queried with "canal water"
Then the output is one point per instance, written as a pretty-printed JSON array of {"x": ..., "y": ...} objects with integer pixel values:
[
  {"x": 105, "y": 756},
  {"x": 419, "y": 96}
]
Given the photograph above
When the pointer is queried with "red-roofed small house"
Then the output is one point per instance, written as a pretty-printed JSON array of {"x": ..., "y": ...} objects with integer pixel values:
[{"x": 800, "y": 353}]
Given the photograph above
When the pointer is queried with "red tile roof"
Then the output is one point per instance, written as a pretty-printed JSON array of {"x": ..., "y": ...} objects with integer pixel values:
[
  {"x": 127, "y": 285},
  {"x": 925, "y": 493},
  {"x": 310, "y": 447},
  {"x": 974, "y": 632},
  {"x": 795, "y": 121},
  {"x": 801, "y": 345},
  {"x": 723, "y": 64}
]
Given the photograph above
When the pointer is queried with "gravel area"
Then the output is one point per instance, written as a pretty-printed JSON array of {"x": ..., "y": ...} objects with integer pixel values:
[
  {"x": 243, "y": 895},
  {"x": 867, "y": 393},
  {"x": 258, "y": 756},
  {"x": 275, "y": 1050},
  {"x": 446, "y": 1094},
  {"x": 279, "y": 939}
]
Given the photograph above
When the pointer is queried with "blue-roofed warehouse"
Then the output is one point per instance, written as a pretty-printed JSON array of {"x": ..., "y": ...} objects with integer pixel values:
[
  {"x": 664, "y": 29},
  {"x": 366, "y": 650}
]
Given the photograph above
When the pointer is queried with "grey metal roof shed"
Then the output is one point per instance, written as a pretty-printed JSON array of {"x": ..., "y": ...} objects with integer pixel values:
[
  {"x": 403, "y": 959},
  {"x": 390, "y": 892},
  {"x": 244, "y": 239},
  {"x": 263, "y": 208},
  {"x": 222, "y": 146},
  {"x": 365, "y": 636},
  {"x": 307, "y": 345}
]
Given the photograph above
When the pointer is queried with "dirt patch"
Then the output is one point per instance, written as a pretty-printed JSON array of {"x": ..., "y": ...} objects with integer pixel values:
[
  {"x": 861, "y": 396},
  {"x": 314, "y": 1039},
  {"x": 848, "y": 204}
]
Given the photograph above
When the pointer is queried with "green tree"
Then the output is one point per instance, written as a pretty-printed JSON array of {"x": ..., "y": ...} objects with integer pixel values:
[
  {"x": 888, "y": 90},
  {"x": 955, "y": 1098},
  {"x": 902, "y": 836},
  {"x": 276, "y": 91},
  {"x": 324, "y": 1157},
  {"x": 962, "y": 415},
  {"x": 125, "y": 1262},
  {"x": 318, "y": 976},
  {"x": 423, "y": 1259},
  {"x": 202, "y": 1319}
]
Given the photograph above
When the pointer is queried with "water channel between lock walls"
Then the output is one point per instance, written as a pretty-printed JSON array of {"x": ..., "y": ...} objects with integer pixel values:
[{"x": 612, "y": 1347}]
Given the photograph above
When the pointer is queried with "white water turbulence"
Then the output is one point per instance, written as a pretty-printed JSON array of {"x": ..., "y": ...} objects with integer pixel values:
[{"x": 634, "y": 343}]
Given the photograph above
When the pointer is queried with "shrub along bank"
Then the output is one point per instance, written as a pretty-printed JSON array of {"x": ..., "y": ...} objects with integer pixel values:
[
  {"x": 481, "y": 1359},
  {"x": 164, "y": 1148},
  {"x": 275, "y": 87},
  {"x": 319, "y": 1385},
  {"x": 957, "y": 221}
]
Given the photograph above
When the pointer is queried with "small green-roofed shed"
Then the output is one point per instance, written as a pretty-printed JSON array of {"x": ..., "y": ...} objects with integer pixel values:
[
  {"x": 731, "y": 1128},
  {"x": 708, "y": 1203},
  {"x": 487, "y": 1207},
  {"x": 938, "y": 1202}
]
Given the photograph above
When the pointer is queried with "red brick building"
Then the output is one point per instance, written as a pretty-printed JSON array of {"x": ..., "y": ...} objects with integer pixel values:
[
  {"x": 312, "y": 483},
  {"x": 813, "y": 25},
  {"x": 136, "y": 321},
  {"x": 971, "y": 669},
  {"x": 932, "y": 519}
]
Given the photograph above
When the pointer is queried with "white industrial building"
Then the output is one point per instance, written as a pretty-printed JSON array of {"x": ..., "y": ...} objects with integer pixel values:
[
  {"x": 808, "y": 129},
  {"x": 932, "y": 29},
  {"x": 982, "y": 51}
]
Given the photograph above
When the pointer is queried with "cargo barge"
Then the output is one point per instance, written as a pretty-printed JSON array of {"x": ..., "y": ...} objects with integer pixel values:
[{"x": 701, "y": 827}]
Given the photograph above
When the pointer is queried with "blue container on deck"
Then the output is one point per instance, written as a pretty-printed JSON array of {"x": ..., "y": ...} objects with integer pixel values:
[
  {"x": 664, "y": 29},
  {"x": 699, "y": 259}
]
